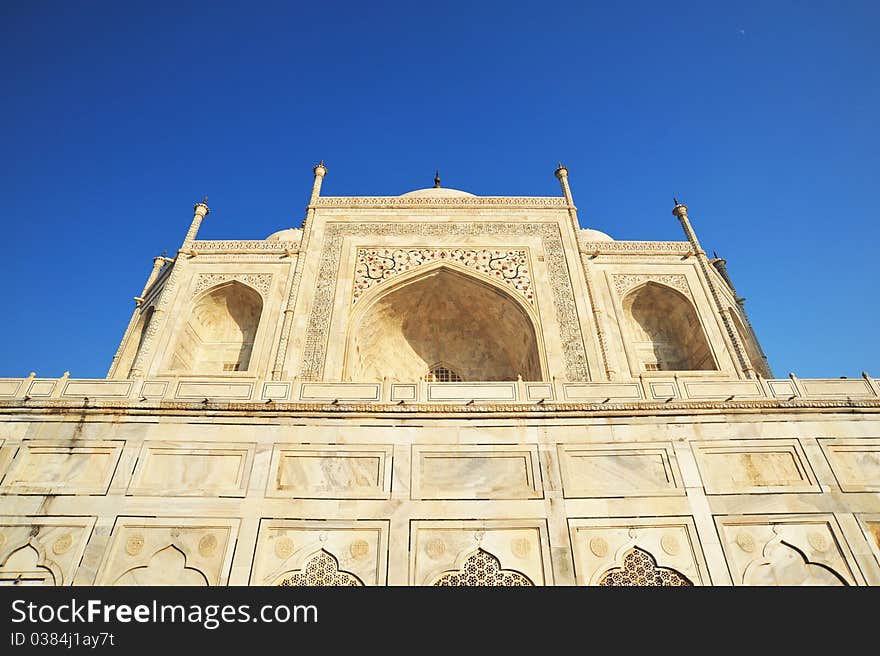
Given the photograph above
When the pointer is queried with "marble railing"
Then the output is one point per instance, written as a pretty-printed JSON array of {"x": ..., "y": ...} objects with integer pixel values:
[{"x": 224, "y": 389}]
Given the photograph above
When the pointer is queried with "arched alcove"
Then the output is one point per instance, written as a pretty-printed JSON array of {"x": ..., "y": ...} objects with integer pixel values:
[
  {"x": 219, "y": 334},
  {"x": 135, "y": 341},
  {"x": 443, "y": 316},
  {"x": 748, "y": 343},
  {"x": 666, "y": 331}
]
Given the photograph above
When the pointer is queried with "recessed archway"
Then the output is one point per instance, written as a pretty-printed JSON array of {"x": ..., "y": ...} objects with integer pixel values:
[
  {"x": 135, "y": 341},
  {"x": 220, "y": 332},
  {"x": 666, "y": 332},
  {"x": 442, "y": 315}
]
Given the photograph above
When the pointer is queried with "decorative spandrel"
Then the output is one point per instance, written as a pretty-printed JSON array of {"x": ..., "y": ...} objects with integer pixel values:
[
  {"x": 483, "y": 569},
  {"x": 376, "y": 265},
  {"x": 640, "y": 569}
]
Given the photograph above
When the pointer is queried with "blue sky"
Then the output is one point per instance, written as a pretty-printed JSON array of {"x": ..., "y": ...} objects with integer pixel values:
[{"x": 762, "y": 117}]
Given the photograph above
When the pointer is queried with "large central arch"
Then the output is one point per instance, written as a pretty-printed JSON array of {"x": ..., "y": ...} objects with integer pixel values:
[{"x": 442, "y": 317}]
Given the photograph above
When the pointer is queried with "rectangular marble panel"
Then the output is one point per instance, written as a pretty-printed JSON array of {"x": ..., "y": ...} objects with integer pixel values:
[
  {"x": 96, "y": 388},
  {"x": 193, "y": 469},
  {"x": 214, "y": 391},
  {"x": 275, "y": 391},
  {"x": 538, "y": 391},
  {"x": 723, "y": 389},
  {"x": 331, "y": 472},
  {"x": 51, "y": 467},
  {"x": 601, "y": 391},
  {"x": 341, "y": 391},
  {"x": 663, "y": 390},
  {"x": 290, "y": 551},
  {"x": 41, "y": 388},
  {"x": 782, "y": 388},
  {"x": 9, "y": 387},
  {"x": 857, "y": 387},
  {"x": 497, "y": 552},
  {"x": 754, "y": 466},
  {"x": 855, "y": 463},
  {"x": 787, "y": 550},
  {"x": 468, "y": 391},
  {"x": 625, "y": 469},
  {"x": 475, "y": 472},
  {"x": 154, "y": 388},
  {"x": 403, "y": 392},
  {"x": 192, "y": 551}
]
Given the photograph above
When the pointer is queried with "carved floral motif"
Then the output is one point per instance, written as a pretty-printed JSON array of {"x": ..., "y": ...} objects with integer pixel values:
[
  {"x": 259, "y": 281},
  {"x": 624, "y": 282},
  {"x": 376, "y": 265}
]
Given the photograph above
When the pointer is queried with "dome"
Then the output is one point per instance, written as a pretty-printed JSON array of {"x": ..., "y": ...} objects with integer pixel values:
[
  {"x": 438, "y": 192},
  {"x": 291, "y": 234},
  {"x": 595, "y": 235}
]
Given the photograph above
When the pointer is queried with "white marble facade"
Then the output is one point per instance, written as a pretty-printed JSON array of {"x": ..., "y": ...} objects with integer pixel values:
[{"x": 439, "y": 388}]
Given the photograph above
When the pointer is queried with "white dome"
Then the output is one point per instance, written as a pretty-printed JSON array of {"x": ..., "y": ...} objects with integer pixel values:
[
  {"x": 437, "y": 192},
  {"x": 594, "y": 235},
  {"x": 291, "y": 234}
]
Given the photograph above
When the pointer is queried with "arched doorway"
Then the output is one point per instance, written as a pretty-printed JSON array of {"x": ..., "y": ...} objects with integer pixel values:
[
  {"x": 220, "y": 332},
  {"x": 665, "y": 329},
  {"x": 443, "y": 319}
]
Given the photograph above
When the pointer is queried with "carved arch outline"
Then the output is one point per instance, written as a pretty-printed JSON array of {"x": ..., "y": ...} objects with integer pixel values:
[
  {"x": 147, "y": 562},
  {"x": 374, "y": 295},
  {"x": 42, "y": 561},
  {"x": 629, "y": 338}
]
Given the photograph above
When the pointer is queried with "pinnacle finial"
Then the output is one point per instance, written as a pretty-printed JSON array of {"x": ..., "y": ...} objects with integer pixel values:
[
  {"x": 675, "y": 201},
  {"x": 436, "y": 179},
  {"x": 205, "y": 200}
]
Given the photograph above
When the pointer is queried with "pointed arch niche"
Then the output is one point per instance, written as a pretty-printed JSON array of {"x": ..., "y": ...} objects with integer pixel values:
[
  {"x": 665, "y": 330},
  {"x": 442, "y": 315},
  {"x": 745, "y": 337},
  {"x": 219, "y": 334},
  {"x": 135, "y": 341}
]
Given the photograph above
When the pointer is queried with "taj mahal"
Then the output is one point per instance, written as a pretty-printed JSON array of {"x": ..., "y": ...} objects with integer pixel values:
[{"x": 439, "y": 388}]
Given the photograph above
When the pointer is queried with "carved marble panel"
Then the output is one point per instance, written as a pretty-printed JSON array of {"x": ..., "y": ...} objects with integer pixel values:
[
  {"x": 317, "y": 331},
  {"x": 667, "y": 549},
  {"x": 509, "y": 266},
  {"x": 62, "y": 467},
  {"x": 787, "y": 550},
  {"x": 193, "y": 469},
  {"x": 42, "y": 550},
  {"x": 476, "y": 472},
  {"x": 447, "y": 552},
  {"x": 330, "y": 471},
  {"x": 318, "y": 552},
  {"x": 169, "y": 551},
  {"x": 620, "y": 469},
  {"x": 754, "y": 466},
  {"x": 855, "y": 463}
]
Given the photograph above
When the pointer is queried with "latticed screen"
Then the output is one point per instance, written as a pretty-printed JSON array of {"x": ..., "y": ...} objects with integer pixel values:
[{"x": 440, "y": 374}]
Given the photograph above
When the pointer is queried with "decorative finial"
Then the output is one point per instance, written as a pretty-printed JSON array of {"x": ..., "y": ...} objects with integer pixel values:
[
  {"x": 436, "y": 179},
  {"x": 205, "y": 200},
  {"x": 559, "y": 165},
  {"x": 322, "y": 163}
]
